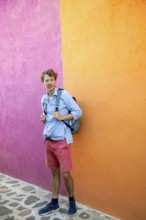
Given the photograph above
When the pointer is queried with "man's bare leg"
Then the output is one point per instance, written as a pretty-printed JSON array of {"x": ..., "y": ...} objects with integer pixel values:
[{"x": 55, "y": 183}]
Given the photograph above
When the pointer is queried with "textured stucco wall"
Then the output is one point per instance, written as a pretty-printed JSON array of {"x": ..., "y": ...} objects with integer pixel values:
[
  {"x": 103, "y": 48},
  {"x": 29, "y": 44}
]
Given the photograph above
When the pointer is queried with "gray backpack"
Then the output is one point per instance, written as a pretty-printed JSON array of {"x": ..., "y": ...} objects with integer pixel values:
[{"x": 75, "y": 127}]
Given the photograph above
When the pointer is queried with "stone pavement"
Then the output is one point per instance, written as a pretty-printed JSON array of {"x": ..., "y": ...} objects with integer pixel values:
[{"x": 21, "y": 201}]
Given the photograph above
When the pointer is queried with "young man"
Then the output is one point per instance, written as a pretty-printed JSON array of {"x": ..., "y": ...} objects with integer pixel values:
[{"x": 58, "y": 139}]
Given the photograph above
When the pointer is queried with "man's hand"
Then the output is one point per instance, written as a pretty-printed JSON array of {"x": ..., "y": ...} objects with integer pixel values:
[
  {"x": 43, "y": 118},
  {"x": 58, "y": 116}
]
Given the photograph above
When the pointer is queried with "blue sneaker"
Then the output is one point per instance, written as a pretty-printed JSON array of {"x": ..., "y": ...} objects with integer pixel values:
[
  {"x": 48, "y": 208},
  {"x": 72, "y": 208}
]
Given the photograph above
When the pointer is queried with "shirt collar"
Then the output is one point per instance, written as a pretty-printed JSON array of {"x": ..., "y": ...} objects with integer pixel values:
[{"x": 55, "y": 92}]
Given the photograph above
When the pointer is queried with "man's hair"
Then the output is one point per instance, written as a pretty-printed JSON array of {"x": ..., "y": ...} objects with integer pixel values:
[{"x": 48, "y": 72}]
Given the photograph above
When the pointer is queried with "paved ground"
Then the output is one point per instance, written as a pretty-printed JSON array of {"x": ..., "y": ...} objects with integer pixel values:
[{"x": 21, "y": 201}]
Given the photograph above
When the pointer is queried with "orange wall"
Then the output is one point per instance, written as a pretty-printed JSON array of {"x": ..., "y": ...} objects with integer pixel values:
[{"x": 103, "y": 45}]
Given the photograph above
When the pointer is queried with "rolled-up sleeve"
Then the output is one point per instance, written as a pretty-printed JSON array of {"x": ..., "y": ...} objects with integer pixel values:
[{"x": 72, "y": 105}]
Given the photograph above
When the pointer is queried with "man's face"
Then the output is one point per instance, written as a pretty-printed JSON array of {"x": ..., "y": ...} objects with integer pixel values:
[{"x": 49, "y": 83}]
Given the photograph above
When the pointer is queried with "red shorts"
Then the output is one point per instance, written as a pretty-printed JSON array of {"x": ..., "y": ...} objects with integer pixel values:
[{"x": 58, "y": 155}]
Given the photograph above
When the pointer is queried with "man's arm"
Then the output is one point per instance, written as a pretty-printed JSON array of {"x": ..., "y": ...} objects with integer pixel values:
[
  {"x": 74, "y": 110},
  {"x": 60, "y": 117}
]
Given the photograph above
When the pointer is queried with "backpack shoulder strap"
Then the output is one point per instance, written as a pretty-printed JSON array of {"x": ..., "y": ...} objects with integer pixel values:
[{"x": 59, "y": 92}]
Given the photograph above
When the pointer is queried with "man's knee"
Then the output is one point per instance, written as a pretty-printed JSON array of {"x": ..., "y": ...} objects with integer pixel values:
[
  {"x": 66, "y": 175},
  {"x": 55, "y": 172}
]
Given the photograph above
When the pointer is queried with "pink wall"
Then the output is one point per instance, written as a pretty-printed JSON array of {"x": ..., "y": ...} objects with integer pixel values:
[{"x": 29, "y": 43}]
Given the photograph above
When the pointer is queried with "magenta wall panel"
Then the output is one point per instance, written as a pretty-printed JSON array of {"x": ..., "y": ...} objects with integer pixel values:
[{"x": 30, "y": 42}]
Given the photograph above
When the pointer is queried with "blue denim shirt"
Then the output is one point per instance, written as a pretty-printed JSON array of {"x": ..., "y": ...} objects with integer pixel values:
[{"x": 54, "y": 128}]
